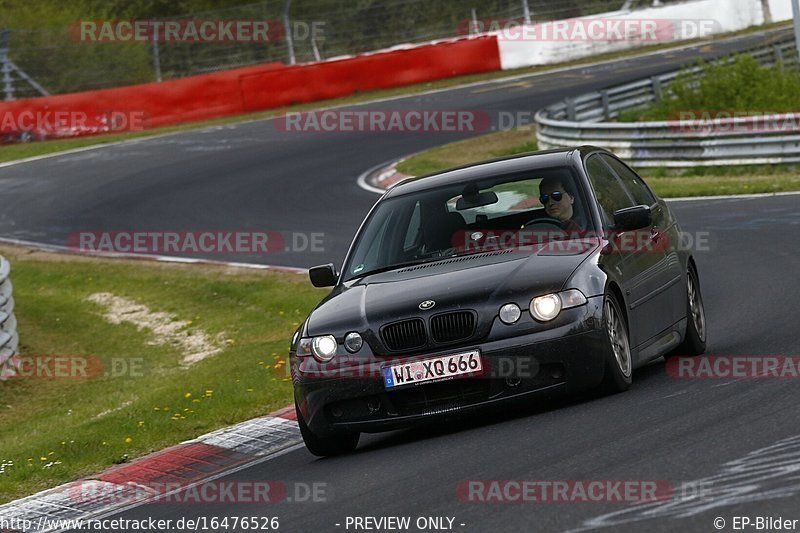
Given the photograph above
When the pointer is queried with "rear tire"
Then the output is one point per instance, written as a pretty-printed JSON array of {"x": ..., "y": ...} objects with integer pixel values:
[
  {"x": 334, "y": 444},
  {"x": 618, "y": 374},
  {"x": 694, "y": 342}
]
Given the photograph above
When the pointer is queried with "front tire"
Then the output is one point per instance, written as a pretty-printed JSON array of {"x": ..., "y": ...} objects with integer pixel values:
[
  {"x": 618, "y": 374},
  {"x": 330, "y": 445}
]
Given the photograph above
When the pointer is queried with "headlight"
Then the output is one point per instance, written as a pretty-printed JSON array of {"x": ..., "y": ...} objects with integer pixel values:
[
  {"x": 353, "y": 342},
  {"x": 510, "y": 313},
  {"x": 324, "y": 347},
  {"x": 545, "y": 308}
]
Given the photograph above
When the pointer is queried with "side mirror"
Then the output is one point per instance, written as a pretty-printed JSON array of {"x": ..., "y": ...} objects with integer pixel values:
[
  {"x": 323, "y": 275},
  {"x": 632, "y": 218}
]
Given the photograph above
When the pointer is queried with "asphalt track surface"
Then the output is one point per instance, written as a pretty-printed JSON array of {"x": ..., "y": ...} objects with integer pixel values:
[
  {"x": 684, "y": 431},
  {"x": 727, "y": 436}
]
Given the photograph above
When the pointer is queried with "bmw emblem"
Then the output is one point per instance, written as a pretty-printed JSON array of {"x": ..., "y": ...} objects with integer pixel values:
[{"x": 427, "y": 304}]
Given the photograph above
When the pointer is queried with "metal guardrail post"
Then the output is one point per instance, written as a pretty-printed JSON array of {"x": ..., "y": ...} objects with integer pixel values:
[
  {"x": 570, "y": 109},
  {"x": 288, "y": 29},
  {"x": 5, "y": 65},
  {"x": 606, "y": 109},
  {"x": 657, "y": 90}
]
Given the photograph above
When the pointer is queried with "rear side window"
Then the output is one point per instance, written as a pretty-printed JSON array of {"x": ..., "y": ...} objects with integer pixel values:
[
  {"x": 641, "y": 194},
  {"x": 611, "y": 195}
]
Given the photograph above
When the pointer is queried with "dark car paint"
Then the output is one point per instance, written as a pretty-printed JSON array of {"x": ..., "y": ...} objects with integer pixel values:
[{"x": 648, "y": 283}]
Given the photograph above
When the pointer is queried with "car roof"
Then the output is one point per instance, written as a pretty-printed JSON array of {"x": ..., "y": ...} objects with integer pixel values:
[{"x": 490, "y": 168}]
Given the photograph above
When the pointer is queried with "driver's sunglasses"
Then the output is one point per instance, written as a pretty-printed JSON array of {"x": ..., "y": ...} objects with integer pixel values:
[{"x": 556, "y": 196}]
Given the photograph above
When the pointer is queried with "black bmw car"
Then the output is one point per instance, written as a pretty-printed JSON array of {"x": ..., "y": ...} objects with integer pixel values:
[{"x": 548, "y": 272}]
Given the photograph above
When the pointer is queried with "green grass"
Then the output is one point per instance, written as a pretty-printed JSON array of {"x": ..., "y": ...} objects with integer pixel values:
[
  {"x": 489, "y": 146},
  {"x": 741, "y": 85},
  {"x": 252, "y": 314},
  {"x": 666, "y": 182},
  {"x": 20, "y": 151}
]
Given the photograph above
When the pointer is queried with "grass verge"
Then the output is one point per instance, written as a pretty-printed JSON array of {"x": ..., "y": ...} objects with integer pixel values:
[
  {"x": 14, "y": 152},
  {"x": 666, "y": 182},
  {"x": 141, "y": 398}
]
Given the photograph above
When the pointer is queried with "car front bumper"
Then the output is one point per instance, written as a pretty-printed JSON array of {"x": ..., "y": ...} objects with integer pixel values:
[{"x": 567, "y": 358}]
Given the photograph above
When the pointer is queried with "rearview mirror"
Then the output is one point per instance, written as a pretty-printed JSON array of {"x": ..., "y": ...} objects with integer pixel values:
[
  {"x": 323, "y": 275},
  {"x": 476, "y": 200},
  {"x": 632, "y": 218}
]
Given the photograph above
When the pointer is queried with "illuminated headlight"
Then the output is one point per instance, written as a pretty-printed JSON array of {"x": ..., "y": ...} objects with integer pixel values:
[
  {"x": 547, "y": 307},
  {"x": 353, "y": 342},
  {"x": 510, "y": 313},
  {"x": 324, "y": 347}
]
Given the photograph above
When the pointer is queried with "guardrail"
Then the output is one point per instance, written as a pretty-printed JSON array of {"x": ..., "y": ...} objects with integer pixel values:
[
  {"x": 9, "y": 338},
  {"x": 678, "y": 143}
]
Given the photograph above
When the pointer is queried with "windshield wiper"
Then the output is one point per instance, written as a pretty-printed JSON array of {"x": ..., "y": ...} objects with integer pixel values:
[{"x": 394, "y": 266}]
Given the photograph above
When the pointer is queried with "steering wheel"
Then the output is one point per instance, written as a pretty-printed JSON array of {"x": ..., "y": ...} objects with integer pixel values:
[{"x": 550, "y": 221}]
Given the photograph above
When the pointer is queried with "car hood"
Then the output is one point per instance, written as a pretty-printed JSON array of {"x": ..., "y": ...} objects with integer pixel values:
[{"x": 468, "y": 282}]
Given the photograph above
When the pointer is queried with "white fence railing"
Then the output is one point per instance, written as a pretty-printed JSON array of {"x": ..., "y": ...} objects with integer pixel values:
[{"x": 9, "y": 338}]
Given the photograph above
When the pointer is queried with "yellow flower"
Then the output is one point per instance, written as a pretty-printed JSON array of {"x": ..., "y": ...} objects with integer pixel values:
[
  {"x": 249, "y": 390},
  {"x": 141, "y": 423},
  {"x": 128, "y": 440},
  {"x": 43, "y": 458},
  {"x": 156, "y": 408},
  {"x": 187, "y": 395}
]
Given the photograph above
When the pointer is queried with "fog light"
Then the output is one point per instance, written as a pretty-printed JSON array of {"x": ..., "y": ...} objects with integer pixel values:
[
  {"x": 510, "y": 313},
  {"x": 353, "y": 342}
]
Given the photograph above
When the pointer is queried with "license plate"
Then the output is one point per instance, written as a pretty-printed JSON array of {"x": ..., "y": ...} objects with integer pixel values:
[{"x": 434, "y": 369}]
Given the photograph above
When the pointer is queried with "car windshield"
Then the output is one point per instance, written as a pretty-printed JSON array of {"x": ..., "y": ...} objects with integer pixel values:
[{"x": 470, "y": 217}]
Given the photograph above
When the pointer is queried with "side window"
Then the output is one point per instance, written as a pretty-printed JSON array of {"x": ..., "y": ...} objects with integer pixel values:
[
  {"x": 634, "y": 183},
  {"x": 611, "y": 195}
]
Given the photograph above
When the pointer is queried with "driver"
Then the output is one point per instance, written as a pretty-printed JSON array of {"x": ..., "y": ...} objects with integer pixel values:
[{"x": 557, "y": 198}]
